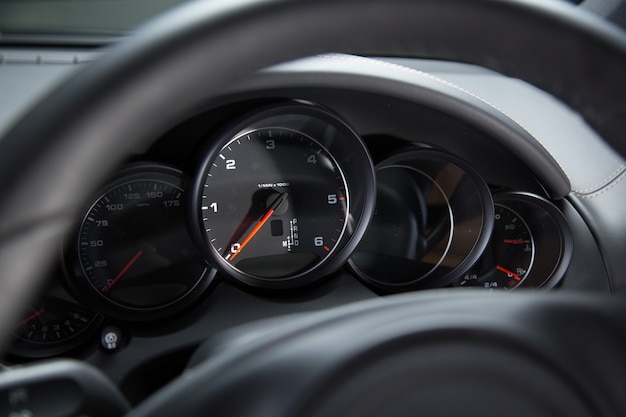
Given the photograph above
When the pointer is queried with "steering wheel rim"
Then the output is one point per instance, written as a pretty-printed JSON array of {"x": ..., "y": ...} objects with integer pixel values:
[{"x": 67, "y": 144}]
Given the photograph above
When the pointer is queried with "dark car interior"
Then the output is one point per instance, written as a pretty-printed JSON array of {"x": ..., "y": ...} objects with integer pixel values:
[{"x": 313, "y": 208}]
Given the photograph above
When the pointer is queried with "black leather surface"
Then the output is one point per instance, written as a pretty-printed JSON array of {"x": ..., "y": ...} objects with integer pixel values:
[
  {"x": 69, "y": 142},
  {"x": 445, "y": 354}
]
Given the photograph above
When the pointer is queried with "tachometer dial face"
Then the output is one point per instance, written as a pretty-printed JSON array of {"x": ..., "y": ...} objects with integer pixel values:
[
  {"x": 133, "y": 247},
  {"x": 509, "y": 257},
  {"x": 274, "y": 203}
]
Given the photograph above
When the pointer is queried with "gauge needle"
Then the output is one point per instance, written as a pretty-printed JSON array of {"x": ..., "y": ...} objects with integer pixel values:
[
  {"x": 258, "y": 227},
  {"x": 510, "y": 273},
  {"x": 32, "y": 316},
  {"x": 124, "y": 270},
  {"x": 516, "y": 241}
]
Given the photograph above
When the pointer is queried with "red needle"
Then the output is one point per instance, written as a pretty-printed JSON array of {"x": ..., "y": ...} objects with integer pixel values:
[
  {"x": 32, "y": 316},
  {"x": 516, "y": 241},
  {"x": 252, "y": 233},
  {"x": 506, "y": 271},
  {"x": 124, "y": 270},
  {"x": 258, "y": 227}
]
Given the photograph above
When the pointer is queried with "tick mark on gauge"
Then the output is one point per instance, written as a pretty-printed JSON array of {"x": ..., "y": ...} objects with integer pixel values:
[{"x": 222, "y": 156}]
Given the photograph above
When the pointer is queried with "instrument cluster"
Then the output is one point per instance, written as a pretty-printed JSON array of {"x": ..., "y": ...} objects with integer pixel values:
[{"x": 280, "y": 199}]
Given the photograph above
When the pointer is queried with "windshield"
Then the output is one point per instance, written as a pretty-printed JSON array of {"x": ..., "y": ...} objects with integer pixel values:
[{"x": 78, "y": 16}]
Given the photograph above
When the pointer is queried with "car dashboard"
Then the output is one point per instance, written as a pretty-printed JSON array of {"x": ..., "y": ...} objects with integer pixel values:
[{"x": 306, "y": 186}]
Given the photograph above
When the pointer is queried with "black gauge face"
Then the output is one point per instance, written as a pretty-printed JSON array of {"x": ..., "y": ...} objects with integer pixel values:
[
  {"x": 274, "y": 204},
  {"x": 508, "y": 259},
  {"x": 52, "y": 327},
  {"x": 412, "y": 227},
  {"x": 133, "y": 247},
  {"x": 432, "y": 219}
]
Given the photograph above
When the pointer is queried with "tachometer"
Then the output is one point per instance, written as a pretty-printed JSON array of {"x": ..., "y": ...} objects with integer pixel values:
[
  {"x": 276, "y": 203},
  {"x": 276, "y": 198}
]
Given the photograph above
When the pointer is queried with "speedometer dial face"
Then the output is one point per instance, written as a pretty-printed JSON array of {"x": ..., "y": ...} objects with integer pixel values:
[
  {"x": 133, "y": 248},
  {"x": 274, "y": 204}
]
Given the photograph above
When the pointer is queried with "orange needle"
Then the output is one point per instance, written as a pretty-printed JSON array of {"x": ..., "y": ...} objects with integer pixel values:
[
  {"x": 258, "y": 227},
  {"x": 124, "y": 270},
  {"x": 252, "y": 233},
  {"x": 506, "y": 271}
]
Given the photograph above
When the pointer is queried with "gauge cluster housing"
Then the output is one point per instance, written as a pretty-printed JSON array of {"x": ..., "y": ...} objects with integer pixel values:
[{"x": 391, "y": 115}]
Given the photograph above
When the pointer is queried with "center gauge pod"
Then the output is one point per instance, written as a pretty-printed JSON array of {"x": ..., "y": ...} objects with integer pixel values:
[{"x": 433, "y": 219}]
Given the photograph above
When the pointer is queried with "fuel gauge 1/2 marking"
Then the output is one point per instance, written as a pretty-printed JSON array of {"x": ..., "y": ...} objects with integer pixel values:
[{"x": 509, "y": 257}]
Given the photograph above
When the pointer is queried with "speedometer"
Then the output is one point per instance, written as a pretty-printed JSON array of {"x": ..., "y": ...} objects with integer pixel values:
[
  {"x": 282, "y": 195},
  {"x": 133, "y": 257}
]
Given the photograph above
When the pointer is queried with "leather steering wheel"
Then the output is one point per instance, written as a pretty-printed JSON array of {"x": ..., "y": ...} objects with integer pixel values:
[{"x": 52, "y": 158}]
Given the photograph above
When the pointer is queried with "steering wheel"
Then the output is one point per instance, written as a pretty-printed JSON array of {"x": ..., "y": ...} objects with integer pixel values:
[{"x": 390, "y": 357}]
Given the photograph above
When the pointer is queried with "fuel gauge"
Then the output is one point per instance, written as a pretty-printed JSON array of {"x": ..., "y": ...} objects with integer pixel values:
[{"x": 509, "y": 257}]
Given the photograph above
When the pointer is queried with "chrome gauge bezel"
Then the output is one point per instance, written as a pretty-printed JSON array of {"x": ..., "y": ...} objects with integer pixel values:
[
  {"x": 469, "y": 226},
  {"x": 509, "y": 258},
  {"x": 342, "y": 145},
  {"x": 62, "y": 321},
  {"x": 554, "y": 243},
  {"x": 86, "y": 291}
]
